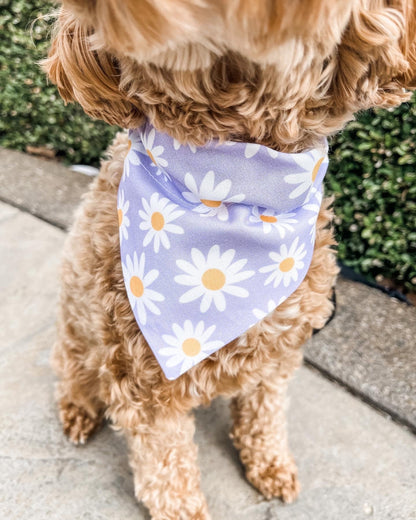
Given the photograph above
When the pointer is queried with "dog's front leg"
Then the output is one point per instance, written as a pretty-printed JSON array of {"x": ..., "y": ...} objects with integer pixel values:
[
  {"x": 259, "y": 433},
  {"x": 166, "y": 473}
]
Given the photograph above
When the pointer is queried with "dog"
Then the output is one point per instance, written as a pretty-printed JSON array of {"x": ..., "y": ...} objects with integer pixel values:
[{"x": 280, "y": 74}]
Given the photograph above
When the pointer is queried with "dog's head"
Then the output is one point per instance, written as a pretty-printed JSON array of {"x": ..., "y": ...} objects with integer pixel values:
[{"x": 281, "y": 72}]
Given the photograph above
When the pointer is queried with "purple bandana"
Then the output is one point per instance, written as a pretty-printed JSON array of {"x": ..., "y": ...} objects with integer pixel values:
[{"x": 212, "y": 238}]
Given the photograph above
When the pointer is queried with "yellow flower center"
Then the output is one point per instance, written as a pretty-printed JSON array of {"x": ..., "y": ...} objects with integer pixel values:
[
  {"x": 149, "y": 153},
  {"x": 157, "y": 221},
  {"x": 136, "y": 286},
  {"x": 316, "y": 168},
  {"x": 191, "y": 347},
  {"x": 211, "y": 203},
  {"x": 268, "y": 218},
  {"x": 287, "y": 264},
  {"x": 213, "y": 279},
  {"x": 129, "y": 145},
  {"x": 120, "y": 217}
]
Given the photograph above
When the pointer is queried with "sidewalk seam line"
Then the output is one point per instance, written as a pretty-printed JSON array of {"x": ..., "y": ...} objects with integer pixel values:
[
  {"x": 360, "y": 395},
  {"x": 24, "y": 209}
]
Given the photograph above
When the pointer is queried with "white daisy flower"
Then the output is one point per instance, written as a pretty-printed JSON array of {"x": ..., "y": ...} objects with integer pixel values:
[
  {"x": 177, "y": 145},
  {"x": 154, "y": 152},
  {"x": 314, "y": 208},
  {"x": 157, "y": 219},
  {"x": 137, "y": 285},
  {"x": 272, "y": 220},
  {"x": 134, "y": 146},
  {"x": 252, "y": 148},
  {"x": 286, "y": 264},
  {"x": 310, "y": 163},
  {"x": 123, "y": 219},
  {"x": 260, "y": 314},
  {"x": 212, "y": 200},
  {"x": 212, "y": 277},
  {"x": 189, "y": 345}
]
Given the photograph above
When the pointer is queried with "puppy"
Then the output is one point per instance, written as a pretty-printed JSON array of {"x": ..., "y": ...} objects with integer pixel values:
[{"x": 280, "y": 74}]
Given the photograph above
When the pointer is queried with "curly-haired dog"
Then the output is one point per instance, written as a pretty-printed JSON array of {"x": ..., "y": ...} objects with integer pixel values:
[{"x": 282, "y": 74}]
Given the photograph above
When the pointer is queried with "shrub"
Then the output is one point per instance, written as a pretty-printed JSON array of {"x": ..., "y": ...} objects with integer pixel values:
[
  {"x": 372, "y": 176},
  {"x": 31, "y": 111},
  {"x": 372, "y": 171}
]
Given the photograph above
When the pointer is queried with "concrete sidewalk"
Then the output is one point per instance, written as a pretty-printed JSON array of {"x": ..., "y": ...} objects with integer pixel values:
[{"x": 354, "y": 463}]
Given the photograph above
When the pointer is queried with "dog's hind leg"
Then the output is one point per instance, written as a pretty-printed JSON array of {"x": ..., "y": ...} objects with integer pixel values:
[
  {"x": 259, "y": 433},
  {"x": 166, "y": 472},
  {"x": 90, "y": 254},
  {"x": 80, "y": 409}
]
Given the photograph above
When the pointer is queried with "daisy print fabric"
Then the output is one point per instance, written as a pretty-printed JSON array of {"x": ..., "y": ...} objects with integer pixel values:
[{"x": 212, "y": 238}]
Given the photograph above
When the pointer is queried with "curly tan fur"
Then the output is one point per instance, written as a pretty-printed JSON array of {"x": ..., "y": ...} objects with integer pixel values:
[{"x": 281, "y": 73}]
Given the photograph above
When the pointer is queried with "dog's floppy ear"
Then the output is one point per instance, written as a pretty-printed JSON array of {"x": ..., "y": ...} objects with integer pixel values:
[
  {"x": 90, "y": 77},
  {"x": 408, "y": 79},
  {"x": 376, "y": 58}
]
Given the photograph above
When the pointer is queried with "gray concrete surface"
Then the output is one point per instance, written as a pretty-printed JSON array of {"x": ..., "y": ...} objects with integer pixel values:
[
  {"x": 354, "y": 463},
  {"x": 43, "y": 187},
  {"x": 370, "y": 346}
]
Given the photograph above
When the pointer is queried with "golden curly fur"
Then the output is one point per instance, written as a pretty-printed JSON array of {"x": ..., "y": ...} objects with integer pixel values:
[{"x": 282, "y": 73}]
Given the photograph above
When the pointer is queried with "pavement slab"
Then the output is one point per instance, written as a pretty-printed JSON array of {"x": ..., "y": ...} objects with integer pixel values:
[
  {"x": 370, "y": 348},
  {"x": 42, "y": 187},
  {"x": 7, "y": 211},
  {"x": 354, "y": 462},
  {"x": 30, "y": 253}
]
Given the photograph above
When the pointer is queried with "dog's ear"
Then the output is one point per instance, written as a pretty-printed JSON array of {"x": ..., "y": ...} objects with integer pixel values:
[
  {"x": 408, "y": 79},
  {"x": 90, "y": 77},
  {"x": 375, "y": 60}
]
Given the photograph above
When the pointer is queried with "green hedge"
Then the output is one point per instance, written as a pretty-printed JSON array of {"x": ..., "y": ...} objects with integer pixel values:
[
  {"x": 372, "y": 176},
  {"x": 31, "y": 111},
  {"x": 372, "y": 172}
]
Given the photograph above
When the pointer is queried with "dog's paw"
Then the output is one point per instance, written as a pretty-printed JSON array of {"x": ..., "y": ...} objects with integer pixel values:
[
  {"x": 275, "y": 479},
  {"x": 78, "y": 425}
]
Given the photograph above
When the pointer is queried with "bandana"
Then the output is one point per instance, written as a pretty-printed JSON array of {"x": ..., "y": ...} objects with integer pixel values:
[{"x": 212, "y": 238}]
